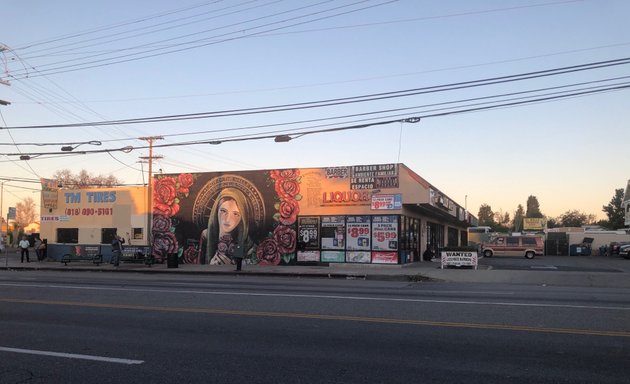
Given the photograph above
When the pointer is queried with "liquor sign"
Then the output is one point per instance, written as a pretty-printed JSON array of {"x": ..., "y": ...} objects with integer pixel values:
[
  {"x": 385, "y": 233},
  {"x": 358, "y": 230}
]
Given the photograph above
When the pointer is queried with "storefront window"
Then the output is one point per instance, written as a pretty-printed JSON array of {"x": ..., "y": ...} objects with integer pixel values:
[
  {"x": 453, "y": 237},
  {"x": 138, "y": 233},
  {"x": 68, "y": 235},
  {"x": 107, "y": 235}
]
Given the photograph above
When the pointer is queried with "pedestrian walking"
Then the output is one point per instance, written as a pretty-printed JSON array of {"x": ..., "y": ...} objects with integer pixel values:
[
  {"x": 24, "y": 245},
  {"x": 117, "y": 247},
  {"x": 36, "y": 245}
]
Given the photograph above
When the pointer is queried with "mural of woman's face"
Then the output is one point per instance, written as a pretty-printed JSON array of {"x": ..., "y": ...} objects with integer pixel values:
[{"x": 229, "y": 216}]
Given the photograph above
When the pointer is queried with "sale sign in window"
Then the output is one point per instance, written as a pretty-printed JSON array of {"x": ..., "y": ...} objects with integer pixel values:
[
  {"x": 358, "y": 233},
  {"x": 385, "y": 233}
]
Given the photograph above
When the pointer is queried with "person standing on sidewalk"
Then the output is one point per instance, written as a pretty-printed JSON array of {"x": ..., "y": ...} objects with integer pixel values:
[
  {"x": 117, "y": 247},
  {"x": 24, "y": 244},
  {"x": 36, "y": 245}
]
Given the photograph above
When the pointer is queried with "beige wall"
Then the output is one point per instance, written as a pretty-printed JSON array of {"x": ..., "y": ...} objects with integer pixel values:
[{"x": 92, "y": 209}]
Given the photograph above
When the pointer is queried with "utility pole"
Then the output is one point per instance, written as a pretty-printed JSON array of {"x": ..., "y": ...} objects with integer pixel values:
[
  {"x": 150, "y": 140},
  {"x": 4, "y": 82}
]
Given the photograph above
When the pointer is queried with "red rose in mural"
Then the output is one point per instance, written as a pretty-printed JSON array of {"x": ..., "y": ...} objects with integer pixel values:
[
  {"x": 285, "y": 238},
  {"x": 161, "y": 223},
  {"x": 267, "y": 253},
  {"x": 191, "y": 255},
  {"x": 286, "y": 188},
  {"x": 163, "y": 244},
  {"x": 166, "y": 210},
  {"x": 164, "y": 191},
  {"x": 185, "y": 180},
  {"x": 285, "y": 174},
  {"x": 289, "y": 210}
]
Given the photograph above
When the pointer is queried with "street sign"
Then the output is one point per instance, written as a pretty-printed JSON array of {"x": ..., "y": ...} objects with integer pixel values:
[{"x": 11, "y": 214}]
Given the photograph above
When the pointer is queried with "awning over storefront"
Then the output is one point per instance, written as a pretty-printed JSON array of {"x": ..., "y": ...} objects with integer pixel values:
[{"x": 437, "y": 213}]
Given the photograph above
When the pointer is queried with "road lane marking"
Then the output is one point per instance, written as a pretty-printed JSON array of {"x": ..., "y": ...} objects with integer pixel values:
[
  {"x": 72, "y": 356},
  {"x": 380, "y": 320},
  {"x": 334, "y": 297}
]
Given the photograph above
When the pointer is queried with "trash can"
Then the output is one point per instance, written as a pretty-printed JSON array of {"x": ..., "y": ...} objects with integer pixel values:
[{"x": 171, "y": 260}]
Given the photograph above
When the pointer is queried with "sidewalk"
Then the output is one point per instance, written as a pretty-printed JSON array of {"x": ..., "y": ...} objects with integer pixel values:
[{"x": 604, "y": 272}]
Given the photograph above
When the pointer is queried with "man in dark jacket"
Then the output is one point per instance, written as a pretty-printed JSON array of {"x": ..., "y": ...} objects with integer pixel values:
[{"x": 117, "y": 247}]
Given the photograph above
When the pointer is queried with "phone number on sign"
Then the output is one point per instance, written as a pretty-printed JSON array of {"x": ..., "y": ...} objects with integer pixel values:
[{"x": 89, "y": 211}]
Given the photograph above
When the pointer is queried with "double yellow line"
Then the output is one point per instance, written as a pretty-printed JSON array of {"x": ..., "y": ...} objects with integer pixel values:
[{"x": 378, "y": 320}]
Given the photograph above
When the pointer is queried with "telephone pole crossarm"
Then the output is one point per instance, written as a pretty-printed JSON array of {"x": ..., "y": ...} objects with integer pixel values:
[{"x": 150, "y": 140}]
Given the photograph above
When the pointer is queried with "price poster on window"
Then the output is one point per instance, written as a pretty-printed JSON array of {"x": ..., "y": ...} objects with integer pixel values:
[
  {"x": 358, "y": 233},
  {"x": 333, "y": 232},
  {"x": 385, "y": 233},
  {"x": 385, "y": 257},
  {"x": 308, "y": 232},
  {"x": 308, "y": 256}
]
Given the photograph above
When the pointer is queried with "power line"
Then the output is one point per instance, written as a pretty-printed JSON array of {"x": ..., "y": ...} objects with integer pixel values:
[
  {"x": 193, "y": 44},
  {"x": 296, "y": 134},
  {"x": 348, "y": 100}
]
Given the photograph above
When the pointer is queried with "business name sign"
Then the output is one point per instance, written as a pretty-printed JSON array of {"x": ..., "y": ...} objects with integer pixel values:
[
  {"x": 459, "y": 259},
  {"x": 534, "y": 224}
]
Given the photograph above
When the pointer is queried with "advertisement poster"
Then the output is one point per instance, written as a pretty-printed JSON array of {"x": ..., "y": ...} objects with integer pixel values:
[
  {"x": 385, "y": 233},
  {"x": 358, "y": 257},
  {"x": 458, "y": 259},
  {"x": 308, "y": 232},
  {"x": 333, "y": 257},
  {"x": 308, "y": 256},
  {"x": 534, "y": 224},
  {"x": 358, "y": 231},
  {"x": 333, "y": 232},
  {"x": 386, "y": 202},
  {"x": 49, "y": 193},
  {"x": 385, "y": 257}
]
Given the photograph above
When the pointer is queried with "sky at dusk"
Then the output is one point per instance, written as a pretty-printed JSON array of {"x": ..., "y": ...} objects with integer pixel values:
[{"x": 515, "y": 97}]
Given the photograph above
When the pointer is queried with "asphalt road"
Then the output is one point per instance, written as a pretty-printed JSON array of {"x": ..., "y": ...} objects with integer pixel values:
[{"x": 58, "y": 327}]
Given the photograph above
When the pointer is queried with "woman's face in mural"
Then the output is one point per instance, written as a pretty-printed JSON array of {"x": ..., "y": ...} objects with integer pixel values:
[{"x": 229, "y": 216}]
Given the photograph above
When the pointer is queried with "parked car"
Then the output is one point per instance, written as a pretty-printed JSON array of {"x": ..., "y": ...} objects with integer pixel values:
[
  {"x": 528, "y": 246},
  {"x": 615, "y": 247},
  {"x": 624, "y": 251}
]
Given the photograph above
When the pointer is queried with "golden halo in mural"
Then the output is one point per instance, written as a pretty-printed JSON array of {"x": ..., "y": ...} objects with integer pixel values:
[{"x": 209, "y": 192}]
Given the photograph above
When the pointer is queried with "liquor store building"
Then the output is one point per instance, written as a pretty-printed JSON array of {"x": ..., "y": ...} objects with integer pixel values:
[{"x": 379, "y": 213}]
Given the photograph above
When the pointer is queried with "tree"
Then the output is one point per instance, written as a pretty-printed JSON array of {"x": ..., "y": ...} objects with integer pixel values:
[
  {"x": 502, "y": 220},
  {"x": 24, "y": 213},
  {"x": 614, "y": 211},
  {"x": 553, "y": 222},
  {"x": 486, "y": 216},
  {"x": 533, "y": 208},
  {"x": 518, "y": 218},
  {"x": 575, "y": 218},
  {"x": 65, "y": 178}
]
